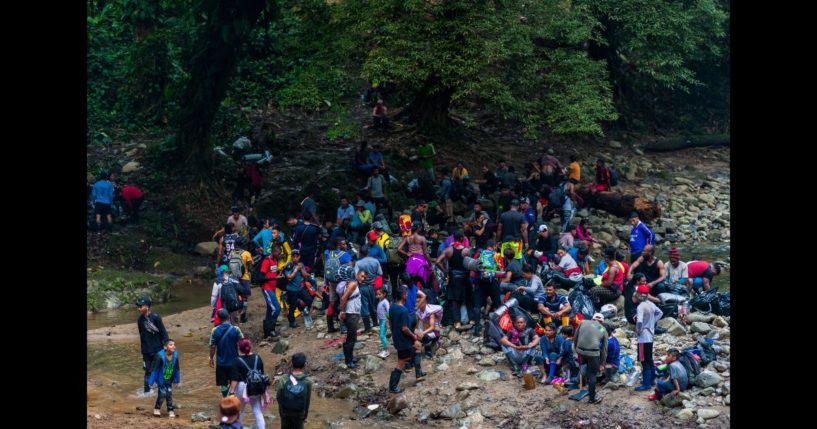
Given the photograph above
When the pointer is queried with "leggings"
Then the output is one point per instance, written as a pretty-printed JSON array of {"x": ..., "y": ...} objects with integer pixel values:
[
  {"x": 255, "y": 403},
  {"x": 383, "y": 341}
]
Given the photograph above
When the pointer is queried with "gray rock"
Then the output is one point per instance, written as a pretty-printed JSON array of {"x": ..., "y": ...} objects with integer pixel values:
[
  {"x": 720, "y": 366},
  {"x": 471, "y": 370},
  {"x": 486, "y": 361},
  {"x": 468, "y": 386},
  {"x": 709, "y": 391},
  {"x": 672, "y": 401},
  {"x": 468, "y": 348},
  {"x": 206, "y": 248},
  {"x": 488, "y": 375},
  {"x": 615, "y": 144},
  {"x": 423, "y": 416},
  {"x": 685, "y": 414},
  {"x": 638, "y": 151},
  {"x": 463, "y": 395},
  {"x": 672, "y": 326},
  {"x": 707, "y": 378},
  {"x": 130, "y": 167},
  {"x": 373, "y": 364},
  {"x": 453, "y": 412},
  {"x": 485, "y": 350},
  {"x": 700, "y": 327},
  {"x": 700, "y": 317},
  {"x": 281, "y": 347},
  {"x": 455, "y": 353},
  {"x": 397, "y": 403},
  {"x": 442, "y": 367},
  {"x": 708, "y": 413},
  {"x": 720, "y": 322},
  {"x": 350, "y": 390},
  {"x": 200, "y": 417},
  {"x": 727, "y": 399},
  {"x": 359, "y": 345}
]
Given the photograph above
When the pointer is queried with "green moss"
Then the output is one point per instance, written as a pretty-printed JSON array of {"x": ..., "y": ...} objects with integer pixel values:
[{"x": 124, "y": 287}]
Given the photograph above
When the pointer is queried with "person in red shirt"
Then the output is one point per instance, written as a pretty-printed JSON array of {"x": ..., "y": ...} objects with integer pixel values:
[
  {"x": 603, "y": 178},
  {"x": 133, "y": 198},
  {"x": 701, "y": 273},
  {"x": 269, "y": 269}
]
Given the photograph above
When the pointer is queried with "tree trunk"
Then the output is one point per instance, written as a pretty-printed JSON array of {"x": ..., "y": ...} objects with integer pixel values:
[
  {"x": 429, "y": 109},
  {"x": 676, "y": 143},
  {"x": 217, "y": 53},
  {"x": 622, "y": 205}
]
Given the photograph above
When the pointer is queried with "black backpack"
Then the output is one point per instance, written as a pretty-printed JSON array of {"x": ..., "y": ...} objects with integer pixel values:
[
  {"x": 293, "y": 397},
  {"x": 229, "y": 296},
  {"x": 257, "y": 381},
  {"x": 557, "y": 196},
  {"x": 691, "y": 365}
]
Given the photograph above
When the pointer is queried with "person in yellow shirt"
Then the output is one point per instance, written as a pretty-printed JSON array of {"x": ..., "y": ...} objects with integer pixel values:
[
  {"x": 459, "y": 172},
  {"x": 574, "y": 170}
]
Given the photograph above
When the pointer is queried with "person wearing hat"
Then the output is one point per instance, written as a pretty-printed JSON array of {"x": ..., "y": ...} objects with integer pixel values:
[
  {"x": 361, "y": 222},
  {"x": 229, "y": 408},
  {"x": 587, "y": 343},
  {"x": 152, "y": 336},
  {"x": 647, "y": 316},
  {"x": 513, "y": 230},
  {"x": 640, "y": 236},
  {"x": 677, "y": 270},
  {"x": 459, "y": 290},
  {"x": 224, "y": 347},
  {"x": 546, "y": 244}
]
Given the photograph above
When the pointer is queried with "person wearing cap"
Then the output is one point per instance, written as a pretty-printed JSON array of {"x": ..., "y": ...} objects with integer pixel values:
[
  {"x": 224, "y": 347},
  {"x": 373, "y": 270},
  {"x": 375, "y": 251},
  {"x": 269, "y": 269},
  {"x": 345, "y": 210},
  {"x": 295, "y": 273},
  {"x": 152, "y": 336},
  {"x": 652, "y": 268},
  {"x": 229, "y": 408},
  {"x": 701, "y": 274},
  {"x": 361, "y": 221},
  {"x": 512, "y": 230},
  {"x": 677, "y": 270},
  {"x": 546, "y": 244},
  {"x": 294, "y": 419},
  {"x": 647, "y": 316},
  {"x": 223, "y": 279},
  {"x": 640, "y": 236},
  {"x": 588, "y": 339}
]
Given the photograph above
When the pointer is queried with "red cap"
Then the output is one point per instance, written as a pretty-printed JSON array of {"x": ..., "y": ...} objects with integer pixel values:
[
  {"x": 643, "y": 289},
  {"x": 372, "y": 235}
]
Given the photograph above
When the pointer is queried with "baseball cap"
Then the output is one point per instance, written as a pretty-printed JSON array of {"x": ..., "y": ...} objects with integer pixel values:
[
  {"x": 371, "y": 235},
  {"x": 543, "y": 227},
  {"x": 524, "y": 200},
  {"x": 234, "y": 209},
  {"x": 222, "y": 269},
  {"x": 643, "y": 289},
  {"x": 377, "y": 225},
  {"x": 632, "y": 215},
  {"x": 143, "y": 301},
  {"x": 598, "y": 317},
  {"x": 296, "y": 252}
]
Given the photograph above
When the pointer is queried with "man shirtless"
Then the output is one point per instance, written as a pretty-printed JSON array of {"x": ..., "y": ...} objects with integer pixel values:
[{"x": 418, "y": 264}]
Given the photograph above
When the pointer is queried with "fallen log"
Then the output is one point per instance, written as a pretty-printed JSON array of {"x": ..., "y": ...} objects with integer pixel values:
[
  {"x": 622, "y": 205},
  {"x": 677, "y": 143}
]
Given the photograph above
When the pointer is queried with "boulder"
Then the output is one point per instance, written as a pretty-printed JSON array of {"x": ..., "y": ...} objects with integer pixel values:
[
  {"x": 672, "y": 326},
  {"x": 130, "y": 167},
  {"x": 700, "y": 327},
  {"x": 397, "y": 403},
  {"x": 373, "y": 364},
  {"x": 199, "y": 417},
  {"x": 720, "y": 322},
  {"x": 615, "y": 144},
  {"x": 468, "y": 386},
  {"x": 488, "y": 375},
  {"x": 453, "y": 412},
  {"x": 673, "y": 401},
  {"x": 708, "y": 413},
  {"x": 707, "y": 378},
  {"x": 700, "y": 317},
  {"x": 685, "y": 414},
  {"x": 281, "y": 347},
  {"x": 206, "y": 248},
  {"x": 486, "y": 361},
  {"x": 350, "y": 390},
  {"x": 468, "y": 348},
  {"x": 442, "y": 367}
]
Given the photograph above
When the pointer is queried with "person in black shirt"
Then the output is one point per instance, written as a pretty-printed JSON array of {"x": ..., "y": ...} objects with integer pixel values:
[
  {"x": 242, "y": 365},
  {"x": 305, "y": 237},
  {"x": 405, "y": 341},
  {"x": 152, "y": 336},
  {"x": 546, "y": 243}
]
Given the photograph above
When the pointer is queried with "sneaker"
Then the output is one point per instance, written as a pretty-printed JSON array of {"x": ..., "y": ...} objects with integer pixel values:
[
  {"x": 397, "y": 389},
  {"x": 419, "y": 377},
  {"x": 642, "y": 388},
  {"x": 157, "y": 412},
  {"x": 172, "y": 415},
  {"x": 384, "y": 354},
  {"x": 595, "y": 400}
]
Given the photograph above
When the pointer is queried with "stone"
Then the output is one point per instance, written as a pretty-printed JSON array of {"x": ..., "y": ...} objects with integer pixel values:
[
  {"x": 486, "y": 361},
  {"x": 281, "y": 347},
  {"x": 130, "y": 167},
  {"x": 709, "y": 391},
  {"x": 720, "y": 366},
  {"x": 619, "y": 303},
  {"x": 463, "y": 395},
  {"x": 468, "y": 386},
  {"x": 373, "y": 364},
  {"x": 199, "y": 417},
  {"x": 471, "y": 370},
  {"x": 442, "y": 367},
  {"x": 700, "y": 317},
  {"x": 206, "y": 248},
  {"x": 348, "y": 391},
  {"x": 614, "y": 144},
  {"x": 488, "y": 375},
  {"x": 700, "y": 327},
  {"x": 453, "y": 412},
  {"x": 720, "y": 322},
  {"x": 727, "y": 399},
  {"x": 468, "y": 348},
  {"x": 359, "y": 345},
  {"x": 486, "y": 350},
  {"x": 707, "y": 378},
  {"x": 672, "y": 401},
  {"x": 708, "y": 413},
  {"x": 397, "y": 403},
  {"x": 685, "y": 414},
  {"x": 455, "y": 354},
  {"x": 672, "y": 326}
]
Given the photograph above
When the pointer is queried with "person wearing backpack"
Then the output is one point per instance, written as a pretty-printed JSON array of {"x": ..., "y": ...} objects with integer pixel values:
[
  {"x": 677, "y": 379},
  {"x": 225, "y": 295},
  {"x": 333, "y": 260},
  {"x": 248, "y": 381},
  {"x": 487, "y": 286},
  {"x": 241, "y": 266},
  {"x": 224, "y": 343},
  {"x": 293, "y": 394},
  {"x": 295, "y": 273}
]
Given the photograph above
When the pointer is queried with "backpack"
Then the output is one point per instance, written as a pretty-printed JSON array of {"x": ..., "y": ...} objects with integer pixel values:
[
  {"x": 557, "y": 196},
  {"x": 687, "y": 359},
  {"x": 613, "y": 177},
  {"x": 229, "y": 296},
  {"x": 293, "y": 397},
  {"x": 486, "y": 258},
  {"x": 236, "y": 264},
  {"x": 257, "y": 381},
  {"x": 392, "y": 255},
  {"x": 330, "y": 271}
]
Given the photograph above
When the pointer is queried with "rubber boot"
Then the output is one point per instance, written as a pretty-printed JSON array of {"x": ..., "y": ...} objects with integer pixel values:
[
  {"x": 394, "y": 380},
  {"x": 348, "y": 350},
  {"x": 514, "y": 366},
  {"x": 419, "y": 375},
  {"x": 427, "y": 350},
  {"x": 646, "y": 380}
]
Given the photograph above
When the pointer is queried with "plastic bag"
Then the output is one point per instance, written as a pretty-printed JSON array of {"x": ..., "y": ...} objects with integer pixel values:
[
  {"x": 724, "y": 304},
  {"x": 705, "y": 302},
  {"x": 633, "y": 378},
  {"x": 581, "y": 303},
  {"x": 625, "y": 362}
]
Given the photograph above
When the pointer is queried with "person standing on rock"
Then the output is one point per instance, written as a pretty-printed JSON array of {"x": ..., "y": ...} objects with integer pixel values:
[
  {"x": 295, "y": 272},
  {"x": 415, "y": 249},
  {"x": 376, "y": 185},
  {"x": 102, "y": 196},
  {"x": 152, "y": 337},
  {"x": 640, "y": 236},
  {"x": 647, "y": 315},
  {"x": 224, "y": 342},
  {"x": 590, "y": 343},
  {"x": 512, "y": 230},
  {"x": 405, "y": 341},
  {"x": 269, "y": 268},
  {"x": 350, "y": 306},
  {"x": 373, "y": 270}
]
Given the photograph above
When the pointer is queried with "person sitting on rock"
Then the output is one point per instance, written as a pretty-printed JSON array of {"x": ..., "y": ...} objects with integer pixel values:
[
  {"x": 701, "y": 274},
  {"x": 380, "y": 115},
  {"x": 613, "y": 361},
  {"x": 567, "y": 356},
  {"x": 677, "y": 270},
  {"x": 551, "y": 345},
  {"x": 546, "y": 244},
  {"x": 555, "y": 308},
  {"x": 430, "y": 315},
  {"x": 567, "y": 271},
  {"x": 519, "y": 345},
  {"x": 603, "y": 178},
  {"x": 677, "y": 379},
  {"x": 583, "y": 232},
  {"x": 612, "y": 280},
  {"x": 530, "y": 295},
  {"x": 581, "y": 254},
  {"x": 652, "y": 268},
  {"x": 568, "y": 238},
  {"x": 513, "y": 272}
]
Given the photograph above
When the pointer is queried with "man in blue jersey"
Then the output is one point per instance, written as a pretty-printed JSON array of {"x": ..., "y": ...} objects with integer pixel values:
[{"x": 640, "y": 236}]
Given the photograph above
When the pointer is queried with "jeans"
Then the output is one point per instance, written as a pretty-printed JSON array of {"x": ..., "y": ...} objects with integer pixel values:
[
  {"x": 665, "y": 387},
  {"x": 368, "y": 308},
  {"x": 292, "y": 300},
  {"x": 255, "y": 403},
  {"x": 567, "y": 216},
  {"x": 383, "y": 341},
  {"x": 165, "y": 392},
  {"x": 523, "y": 356},
  {"x": 273, "y": 306},
  {"x": 563, "y": 280}
]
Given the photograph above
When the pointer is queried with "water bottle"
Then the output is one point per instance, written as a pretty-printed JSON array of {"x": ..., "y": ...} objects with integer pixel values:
[
  {"x": 496, "y": 314},
  {"x": 632, "y": 378}
]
